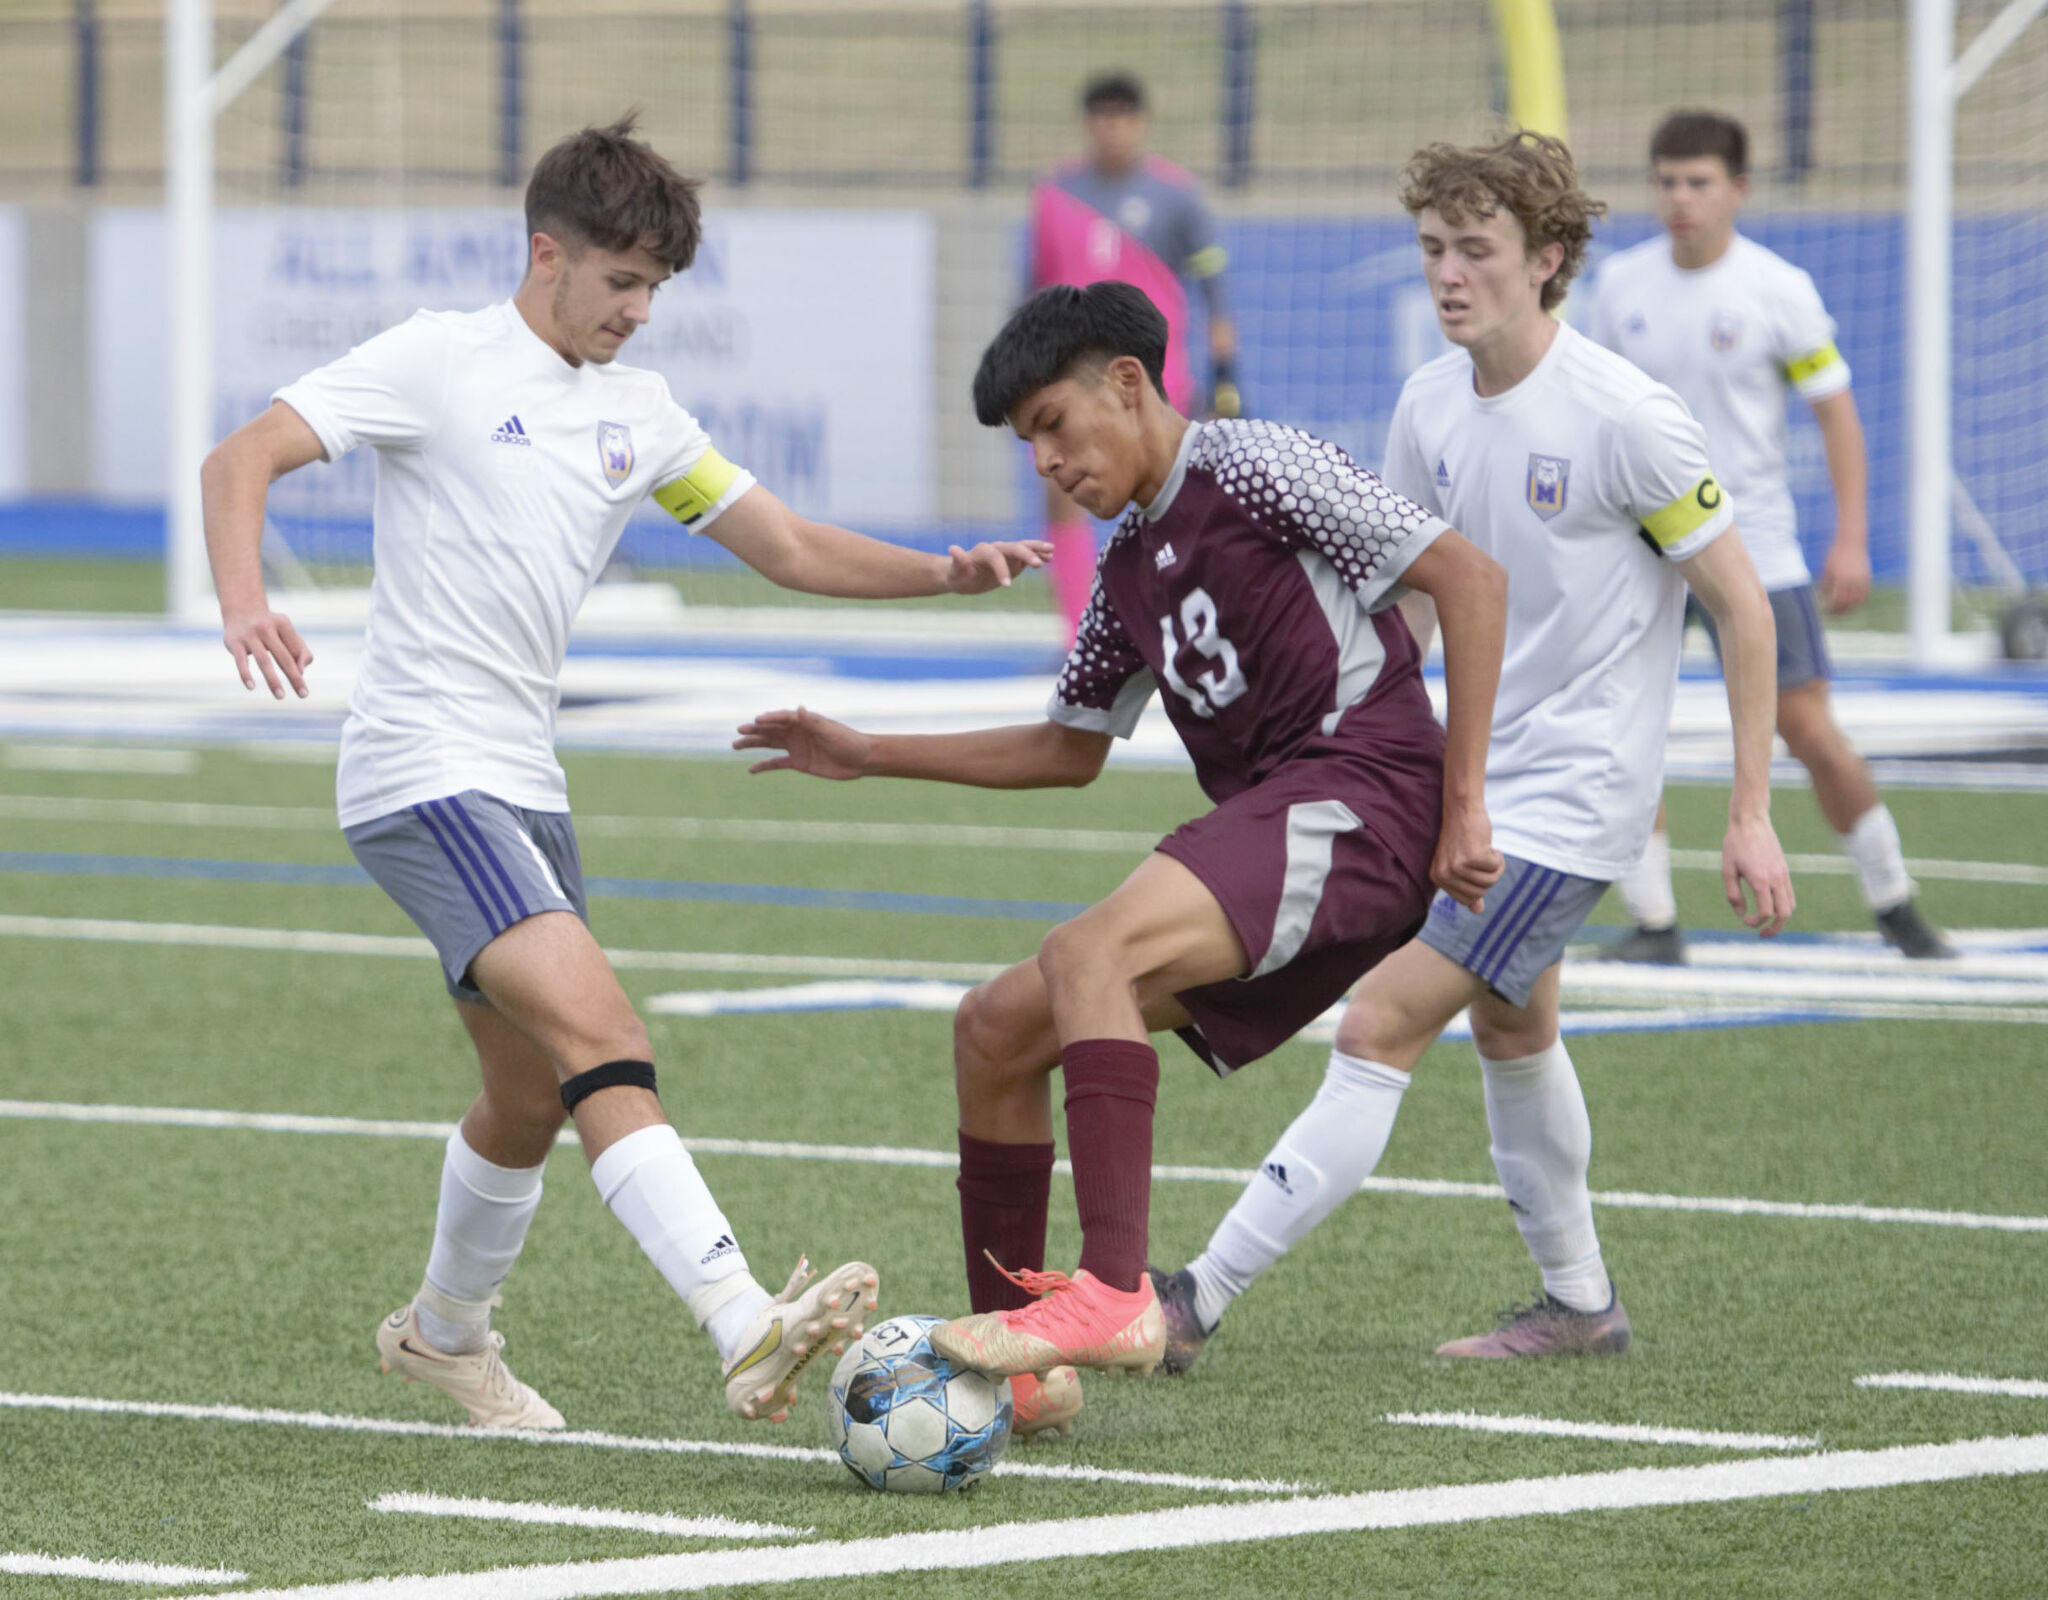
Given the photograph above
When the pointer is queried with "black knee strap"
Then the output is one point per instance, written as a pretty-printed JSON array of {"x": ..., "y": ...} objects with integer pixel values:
[{"x": 612, "y": 1075}]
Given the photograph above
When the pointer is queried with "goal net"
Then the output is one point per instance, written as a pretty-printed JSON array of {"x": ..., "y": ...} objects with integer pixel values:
[{"x": 870, "y": 169}]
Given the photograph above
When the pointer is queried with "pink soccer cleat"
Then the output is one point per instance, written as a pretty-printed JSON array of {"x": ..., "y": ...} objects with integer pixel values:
[
  {"x": 1046, "y": 1403},
  {"x": 1078, "y": 1322}
]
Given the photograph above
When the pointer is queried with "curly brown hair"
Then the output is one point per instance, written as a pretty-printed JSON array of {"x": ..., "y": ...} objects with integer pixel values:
[{"x": 1531, "y": 174}]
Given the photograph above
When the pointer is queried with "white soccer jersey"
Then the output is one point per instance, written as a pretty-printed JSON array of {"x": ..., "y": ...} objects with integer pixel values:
[
  {"x": 1586, "y": 481},
  {"x": 1730, "y": 337},
  {"x": 504, "y": 478}
]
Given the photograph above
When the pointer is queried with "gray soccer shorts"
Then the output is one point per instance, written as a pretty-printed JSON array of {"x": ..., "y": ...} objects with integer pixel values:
[
  {"x": 1531, "y": 915},
  {"x": 1802, "y": 641},
  {"x": 467, "y": 866}
]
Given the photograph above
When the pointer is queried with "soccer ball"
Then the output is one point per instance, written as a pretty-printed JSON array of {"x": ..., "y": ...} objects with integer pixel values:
[{"x": 906, "y": 1420}]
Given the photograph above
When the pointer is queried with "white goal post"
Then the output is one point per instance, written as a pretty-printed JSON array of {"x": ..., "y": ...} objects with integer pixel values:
[
  {"x": 194, "y": 96},
  {"x": 1936, "y": 80}
]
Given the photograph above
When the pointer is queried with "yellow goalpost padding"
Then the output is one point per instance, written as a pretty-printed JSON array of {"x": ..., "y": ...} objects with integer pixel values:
[{"x": 1535, "y": 64}]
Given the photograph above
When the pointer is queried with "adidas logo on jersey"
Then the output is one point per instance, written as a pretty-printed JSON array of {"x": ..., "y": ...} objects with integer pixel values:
[
  {"x": 1278, "y": 1173},
  {"x": 1443, "y": 474},
  {"x": 722, "y": 1246},
  {"x": 1165, "y": 558},
  {"x": 510, "y": 432}
]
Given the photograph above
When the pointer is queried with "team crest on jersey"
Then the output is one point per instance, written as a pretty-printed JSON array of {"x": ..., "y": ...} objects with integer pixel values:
[
  {"x": 615, "y": 451},
  {"x": 1725, "y": 332},
  {"x": 1550, "y": 482}
]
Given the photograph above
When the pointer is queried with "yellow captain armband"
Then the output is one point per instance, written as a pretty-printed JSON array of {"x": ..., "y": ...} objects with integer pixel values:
[
  {"x": 1687, "y": 514},
  {"x": 1813, "y": 363},
  {"x": 687, "y": 498},
  {"x": 1206, "y": 263}
]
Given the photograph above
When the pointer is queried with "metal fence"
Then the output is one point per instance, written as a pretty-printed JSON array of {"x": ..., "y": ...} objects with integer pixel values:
[{"x": 1285, "y": 95}]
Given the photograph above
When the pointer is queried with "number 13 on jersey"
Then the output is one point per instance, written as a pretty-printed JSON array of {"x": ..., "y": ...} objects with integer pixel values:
[{"x": 1217, "y": 687}]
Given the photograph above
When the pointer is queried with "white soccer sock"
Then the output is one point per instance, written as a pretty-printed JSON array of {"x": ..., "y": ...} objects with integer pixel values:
[
  {"x": 1318, "y": 1164},
  {"x": 1646, "y": 893},
  {"x": 481, "y": 1224},
  {"x": 1542, "y": 1146},
  {"x": 1873, "y": 848},
  {"x": 654, "y": 1188}
]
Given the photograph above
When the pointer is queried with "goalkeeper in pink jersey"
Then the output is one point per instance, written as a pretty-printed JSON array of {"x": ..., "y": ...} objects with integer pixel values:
[{"x": 1120, "y": 214}]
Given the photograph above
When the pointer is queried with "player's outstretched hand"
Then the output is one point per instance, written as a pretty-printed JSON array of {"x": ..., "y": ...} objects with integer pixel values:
[
  {"x": 1466, "y": 863},
  {"x": 808, "y": 742},
  {"x": 992, "y": 566},
  {"x": 1845, "y": 578},
  {"x": 268, "y": 639},
  {"x": 1751, "y": 861}
]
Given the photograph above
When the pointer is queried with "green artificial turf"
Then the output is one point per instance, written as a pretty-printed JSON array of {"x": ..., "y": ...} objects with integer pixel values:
[{"x": 214, "y": 1266}]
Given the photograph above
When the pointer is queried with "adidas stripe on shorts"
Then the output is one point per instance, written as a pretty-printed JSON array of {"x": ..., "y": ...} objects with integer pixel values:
[
  {"x": 468, "y": 866},
  {"x": 1531, "y": 915}
]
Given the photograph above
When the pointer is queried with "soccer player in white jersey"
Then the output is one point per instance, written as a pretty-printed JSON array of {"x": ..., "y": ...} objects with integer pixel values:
[
  {"x": 1589, "y": 483},
  {"x": 1731, "y": 327},
  {"x": 512, "y": 447}
]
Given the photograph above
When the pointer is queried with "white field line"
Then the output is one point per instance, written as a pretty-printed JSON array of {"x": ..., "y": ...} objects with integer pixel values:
[
  {"x": 887, "y": 994},
  {"x": 727, "y": 830},
  {"x": 2021, "y": 1388},
  {"x": 761, "y": 830},
  {"x": 1618, "y": 1433},
  {"x": 533, "y": 1512},
  {"x": 947, "y": 1160},
  {"x": 1194, "y": 1527},
  {"x": 98, "y": 758},
  {"x": 1863, "y": 961},
  {"x": 34, "y": 1564},
  {"x": 1612, "y": 981},
  {"x": 104, "y": 930},
  {"x": 1932, "y": 868},
  {"x": 1581, "y": 1018},
  {"x": 845, "y": 994},
  {"x": 327, "y": 1422},
  {"x": 1937, "y": 996}
]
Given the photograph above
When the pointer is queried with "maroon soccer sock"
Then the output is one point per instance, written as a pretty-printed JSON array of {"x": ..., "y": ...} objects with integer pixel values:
[
  {"x": 1003, "y": 1194},
  {"x": 1111, "y": 1085}
]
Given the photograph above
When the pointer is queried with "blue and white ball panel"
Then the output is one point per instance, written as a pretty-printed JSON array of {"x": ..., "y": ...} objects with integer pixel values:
[
  {"x": 906, "y": 1421},
  {"x": 1530, "y": 916}
]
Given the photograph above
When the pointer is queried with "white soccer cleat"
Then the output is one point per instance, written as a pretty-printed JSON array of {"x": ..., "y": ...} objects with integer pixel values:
[
  {"x": 760, "y": 1382},
  {"x": 480, "y": 1383}
]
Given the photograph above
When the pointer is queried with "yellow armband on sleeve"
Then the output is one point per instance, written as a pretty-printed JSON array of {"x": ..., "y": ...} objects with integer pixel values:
[
  {"x": 687, "y": 498},
  {"x": 1813, "y": 363},
  {"x": 1686, "y": 515}
]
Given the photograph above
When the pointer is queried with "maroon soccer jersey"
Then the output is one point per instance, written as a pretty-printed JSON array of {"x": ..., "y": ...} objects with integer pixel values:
[{"x": 1256, "y": 591}]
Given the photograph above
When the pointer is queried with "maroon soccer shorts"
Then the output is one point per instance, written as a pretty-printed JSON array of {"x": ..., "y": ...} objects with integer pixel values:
[{"x": 1323, "y": 872}]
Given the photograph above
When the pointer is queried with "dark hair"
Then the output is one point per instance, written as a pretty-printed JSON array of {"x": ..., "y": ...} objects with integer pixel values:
[
  {"x": 1684, "y": 135},
  {"x": 1059, "y": 329},
  {"x": 1531, "y": 175},
  {"x": 604, "y": 187},
  {"x": 1113, "y": 91}
]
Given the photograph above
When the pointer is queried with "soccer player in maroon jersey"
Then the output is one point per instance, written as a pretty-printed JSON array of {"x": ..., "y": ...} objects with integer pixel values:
[{"x": 1254, "y": 576}]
